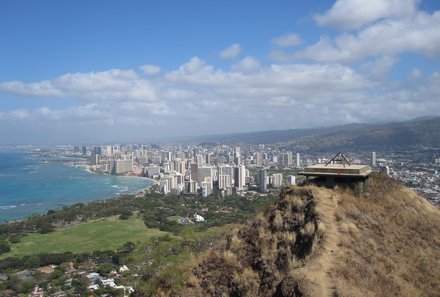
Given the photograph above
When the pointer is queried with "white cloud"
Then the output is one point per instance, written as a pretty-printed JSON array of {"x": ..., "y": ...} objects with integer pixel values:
[
  {"x": 418, "y": 34},
  {"x": 198, "y": 98},
  {"x": 199, "y": 85},
  {"x": 43, "y": 88},
  {"x": 378, "y": 68},
  {"x": 231, "y": 52},
  {"x": 287, "y": 40},
  {"x": 18, "y": 114},
  {"x": 107, "y": 85},
  {"x": 415, "y": 74},
  {"x": 195, "y": 71},
  {"x": 150, "y": 69},
  {"x": 352, "y": 14},
  {"x": 247, "y": 65}
]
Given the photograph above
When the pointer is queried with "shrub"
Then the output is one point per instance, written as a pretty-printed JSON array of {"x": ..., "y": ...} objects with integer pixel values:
[
  {"x": 45, "y": 227},
  {"x": 4, "y": 247}
]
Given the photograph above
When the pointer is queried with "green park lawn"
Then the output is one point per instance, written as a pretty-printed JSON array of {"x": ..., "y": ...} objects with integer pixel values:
[{"x": 102, "y": 234}]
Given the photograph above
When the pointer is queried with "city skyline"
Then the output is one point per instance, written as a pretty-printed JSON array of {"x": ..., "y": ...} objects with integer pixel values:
[{"x": 111, "y": 71}]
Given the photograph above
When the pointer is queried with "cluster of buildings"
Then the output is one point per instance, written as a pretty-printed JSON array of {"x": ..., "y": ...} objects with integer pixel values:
[
  {"x": 97, "y": 281},
  {"x": 93, "y": 279},
  {"x": 205, "y": 169},
  {"x": 116, "y": 160},
  {"x": 418, "y": 169},
  {"x": 194, "y": 169}
]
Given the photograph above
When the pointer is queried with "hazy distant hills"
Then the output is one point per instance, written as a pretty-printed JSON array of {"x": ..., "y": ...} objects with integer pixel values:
[{"x": 421, "y": 131}]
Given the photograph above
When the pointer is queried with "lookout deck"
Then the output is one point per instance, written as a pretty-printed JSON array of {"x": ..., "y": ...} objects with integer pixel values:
[{"x": 338, "y": 171}]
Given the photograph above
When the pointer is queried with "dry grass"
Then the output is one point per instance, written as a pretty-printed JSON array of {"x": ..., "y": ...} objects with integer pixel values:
[
  {"x": 256, "y": 259},
  {"x": 320, "y": 242},
  {"x": 391, "y": 240}
]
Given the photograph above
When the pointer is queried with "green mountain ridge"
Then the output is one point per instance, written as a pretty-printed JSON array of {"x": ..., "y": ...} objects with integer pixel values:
[{"x": 421, "y": 131}]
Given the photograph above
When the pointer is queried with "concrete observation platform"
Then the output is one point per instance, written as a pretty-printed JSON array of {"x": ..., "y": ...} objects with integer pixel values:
[{"x": 339, "y": 171}]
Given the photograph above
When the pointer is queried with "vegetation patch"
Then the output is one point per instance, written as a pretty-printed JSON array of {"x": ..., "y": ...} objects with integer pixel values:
[{"x": 102, "y": 234}]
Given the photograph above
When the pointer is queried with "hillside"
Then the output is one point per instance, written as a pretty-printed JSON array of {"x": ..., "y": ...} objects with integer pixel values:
[
  {"x": 321, "y": 242},
  {"x": 423, "y": 131}
]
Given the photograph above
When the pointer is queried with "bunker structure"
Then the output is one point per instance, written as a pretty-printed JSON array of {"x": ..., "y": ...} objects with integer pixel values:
[{"x": 339, "y": 171}]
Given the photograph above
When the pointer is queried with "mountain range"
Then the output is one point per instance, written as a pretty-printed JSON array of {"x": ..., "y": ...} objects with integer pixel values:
[{"x": 420, "y": 131}]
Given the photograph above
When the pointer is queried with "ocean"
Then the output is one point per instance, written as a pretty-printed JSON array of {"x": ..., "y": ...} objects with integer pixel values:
[{"x": 30, "y": 186}]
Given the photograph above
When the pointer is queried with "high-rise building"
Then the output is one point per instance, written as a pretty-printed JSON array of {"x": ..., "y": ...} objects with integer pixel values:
[
  {"x": 291, "y": 180},
  {"x": 298, "y": 160},
  {"x": 164, "y": 185},
  {"x": 179, "y": 178},
  {"x": 84, "y": 150},
  {"x": 170, "y": 181},
  {"x": 206, "y": 186},
  {"x": 166, "y": 156},
  {"x": 277, "y": 180},
  {"x": 121, "y": 166},
  {"x": 95, "y": 159},
  {"x": 180, "y": 166},
  {"x": 373, "y": 159},
  {"x": 200, "y": 160},
  {"x": 225, "y": 169},
  {"x": 190, "y": 187},
  {"x": 224, "y": 181},
  {"x": 220, "y": 160},
  {"x": 108, "y": 151},
  {"x": 237, "y": 151},
  {"x": 152, "y": 171},
  {"x": 208, "y": 159},
  {"x": 239, "y": 177},
  {"x": 194, "y": 167},
  {"x": 285, "y": 159},
  {"x": 167, "y": 168},
  {"x": 180, "y": 155},
  {"x": 385, "y": 168},
  {"x": 258, "y": 159},
  {"x": 225, "y": 174},
  {"x": 203, "y": 173},
  {"x": 237, "y": 160},
  {"x": 262, "y": 187}
]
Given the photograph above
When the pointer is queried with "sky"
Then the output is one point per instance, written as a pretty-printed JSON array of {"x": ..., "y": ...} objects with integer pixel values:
[{"x": 106, "y": 71}]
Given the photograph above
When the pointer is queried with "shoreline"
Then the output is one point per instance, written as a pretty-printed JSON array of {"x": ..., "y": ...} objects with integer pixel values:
[
  {"x": 155, "y": 182},
  {"x": 87, "y": 168},
  {"x": 14, "y": 212}
]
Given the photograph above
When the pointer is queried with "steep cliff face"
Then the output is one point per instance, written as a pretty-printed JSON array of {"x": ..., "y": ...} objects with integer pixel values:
[{"x": 320, "y": 242}]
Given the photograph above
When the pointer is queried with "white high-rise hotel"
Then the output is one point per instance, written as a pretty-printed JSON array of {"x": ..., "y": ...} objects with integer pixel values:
[
  {"x": 373, "y": 159},
  {"x": 225, "y": 174},
  {"x": 239, "y": 177}
]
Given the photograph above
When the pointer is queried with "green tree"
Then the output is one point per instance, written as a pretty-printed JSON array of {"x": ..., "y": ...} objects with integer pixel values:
[
  {"x": 4, "y": 247},
  {"x": 105, "y": 268},
  {"x": 45, "y": 227},
  {"x": 31, "y": 262}
]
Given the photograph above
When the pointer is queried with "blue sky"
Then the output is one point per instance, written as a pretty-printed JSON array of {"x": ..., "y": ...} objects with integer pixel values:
[{"x": 104, "y": 71}]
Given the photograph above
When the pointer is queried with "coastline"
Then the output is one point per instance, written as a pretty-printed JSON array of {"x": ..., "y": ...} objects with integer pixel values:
[
  {"x": 46, "y": 186},
  {"x": 154, "y": 182}
]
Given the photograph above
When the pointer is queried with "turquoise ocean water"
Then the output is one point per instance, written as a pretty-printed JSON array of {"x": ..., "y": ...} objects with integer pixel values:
[{"x": 30, "y": 186}]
